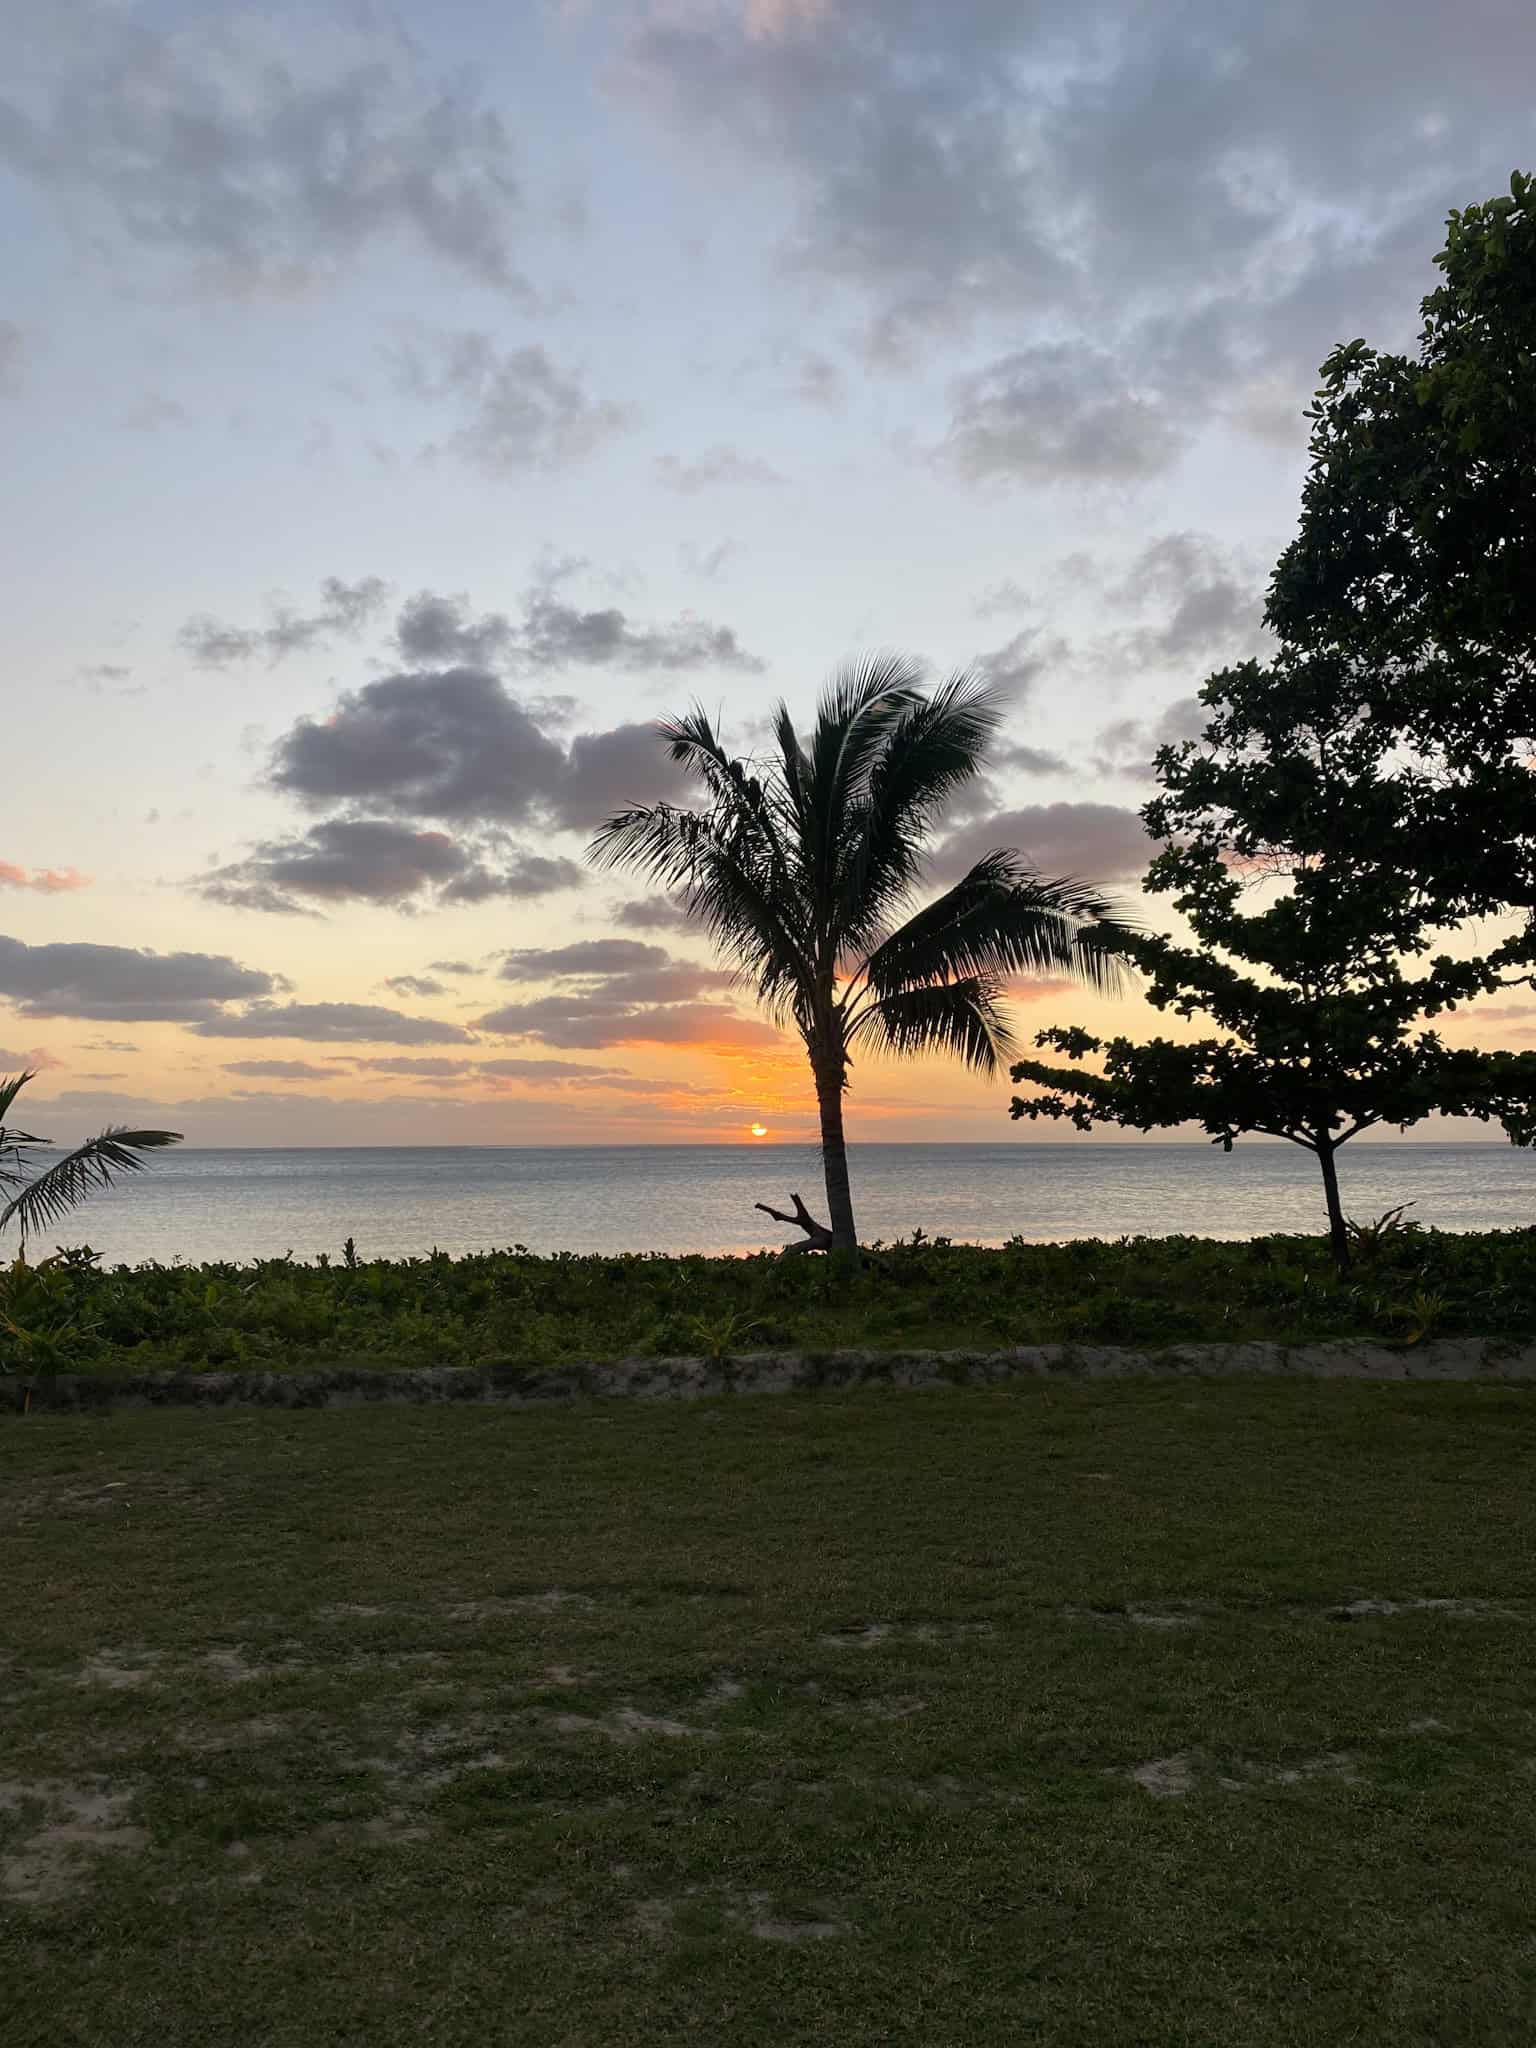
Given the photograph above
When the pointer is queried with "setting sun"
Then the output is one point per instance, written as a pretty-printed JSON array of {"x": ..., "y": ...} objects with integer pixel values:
[{"x": 759, "y": 1130}]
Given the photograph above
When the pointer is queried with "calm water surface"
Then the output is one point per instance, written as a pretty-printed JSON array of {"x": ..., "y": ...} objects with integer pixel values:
[{"x": 210, "y": 1204}]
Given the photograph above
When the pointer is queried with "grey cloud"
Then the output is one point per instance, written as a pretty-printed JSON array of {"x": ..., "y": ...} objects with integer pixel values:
[
  {"x": 820, "y": 382},
  {"x": 120, "y": 982},
  {"x": 450, "y": 744},
  {"x": 457, "y": 745},
  {"x": 560, "y": 635},
  {"x": 344, "y": 611},
  {"x": 551, "y": 1071},
  {"x": 375, "y": 860},
  {"x": 454, "y": 966},
  {"x": 1189, "y": 183},
  {"x": 1126, "y": 745},
  {"x": 1000, "y": 598},
  {"x": 1091, "y": 842},
  {"x": 264, "y": 158},
  {"x": 1030, "y": 760},
  {"x": 623, "y": 972},
  {"x": 418, "y": 985},
  {"x": 586, "y": 956},
  {"x": 1057, "y": 412},
  {"x": 1212, "y": 604},
  {"x": 333, "y": 1024},
  {"x": 151, "y": 412},
  {"x": 655, "y": 913},
  {"x": 608, "y": 770},
  {"x": 517, "y": 409},
  {"x": 1019, "y": 663},
  {"x": 580, "y": 1021},
  {"x": 439, "y": 632},
  {"x": 434, "y": 1069},
  {"x": 434, "y": 632},
  {"x": 280, "y": 1070},
  {"x": 716, "y": 467},
  {"x": 13, "y": 358},
  {"x": 526, "y": 875}
]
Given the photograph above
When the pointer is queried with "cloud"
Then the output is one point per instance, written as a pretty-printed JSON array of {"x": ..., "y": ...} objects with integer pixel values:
[
  {"x": 655, "y": 914},
  {"x": 579, "y": 1020},
  {"x": 344, "y": 611},
  {"x": 438, "y": 632},
  {"x": 367, "y": 860},
  {"x": 71, "y": 980},
  {"x": 280, "y": 1070},
  {"x": 1212, "y": 603},
  {"x": 454, "y": 966},
  {"x": 547, "y": 1072},
  {"x": 416, "y": 985},
  {"x": 1126, "y": 745},
  {"x": 1018, "y": 664},
  {"x": 585, "y": 957},
  {"x": 13, "y": 359},
  {"x": 45, "y": 881},
  {"x": 523, "y": 877},
  {"x": 617, "y": 973},
  {"x": 720, "y": 466},
  {"x": 1057, "y": 412},
  {"x": 1187, "y": 184},
  {"x": 456, "y": 745},
  {"x": 517, "y": 409},
  {"x": 435, "y": 632},
  {"x": 820, "y": 382},
  {"x": 1091, "y": 842},
  {"x": 436, "y": 1069},
  {"x": 263, "y": 155},
  {"x": 38, "y": 1061},
  {"x": 1030, "y": 760},
  {"x": 1000, "y": 598},
  {"x": 560, "y": 635},
  {"x": 333, "y": 1024}
]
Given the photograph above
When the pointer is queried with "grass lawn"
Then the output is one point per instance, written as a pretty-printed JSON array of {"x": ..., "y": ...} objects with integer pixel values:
[{"x": 1155, "y": 1713}]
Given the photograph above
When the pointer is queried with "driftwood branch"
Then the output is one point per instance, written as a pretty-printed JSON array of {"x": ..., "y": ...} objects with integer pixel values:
[{"x": 818, "y": 1238}]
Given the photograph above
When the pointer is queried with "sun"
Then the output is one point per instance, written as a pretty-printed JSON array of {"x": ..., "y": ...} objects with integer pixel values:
[{"x": 759, "y": 1130}]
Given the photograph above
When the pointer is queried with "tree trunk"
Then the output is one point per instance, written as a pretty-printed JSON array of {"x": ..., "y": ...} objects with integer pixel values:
[
  {"x": 834, "y": 1158},
  {"x": 1337, "y": 1234}
]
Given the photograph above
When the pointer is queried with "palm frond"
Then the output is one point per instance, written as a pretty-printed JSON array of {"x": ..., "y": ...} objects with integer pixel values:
[
  {"x": 94, "y": 1164},
  {"x": 937, "y": 746},
  {"x": 9, "y": 1090},
  {"x": 855, "y": 716},
  {"x": 1002, "y": 919},
  {"x": 961, "y": 1017}
]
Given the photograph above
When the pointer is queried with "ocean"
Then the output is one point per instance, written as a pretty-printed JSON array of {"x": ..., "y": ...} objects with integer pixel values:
[{"x": 403, "y": 1202}]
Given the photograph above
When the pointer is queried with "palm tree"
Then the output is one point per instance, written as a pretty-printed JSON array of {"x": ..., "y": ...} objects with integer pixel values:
[
  {"x": 807, "y": 871},
  {"x": 46, "y": 1197}
]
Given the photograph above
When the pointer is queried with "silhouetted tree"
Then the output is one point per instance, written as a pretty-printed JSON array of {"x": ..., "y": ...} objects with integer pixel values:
[{"x": 807, "y": 870}]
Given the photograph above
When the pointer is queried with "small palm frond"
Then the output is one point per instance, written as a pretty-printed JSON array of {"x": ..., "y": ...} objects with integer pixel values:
[
  {"x": 9, "y": 1090},
  {"x": 962, "y": 1017},
  {"x": 1002, "y": 919},
  {"x": 94, "y": 1164}
]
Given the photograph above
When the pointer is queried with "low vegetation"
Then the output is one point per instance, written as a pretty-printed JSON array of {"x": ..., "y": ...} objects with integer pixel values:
[
  {"x": 512, "y": 1306},
  {"x": 1185, "y": 1715}
]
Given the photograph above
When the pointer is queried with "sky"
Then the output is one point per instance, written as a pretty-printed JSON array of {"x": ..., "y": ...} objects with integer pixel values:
[{"x": 402, "y": 409}]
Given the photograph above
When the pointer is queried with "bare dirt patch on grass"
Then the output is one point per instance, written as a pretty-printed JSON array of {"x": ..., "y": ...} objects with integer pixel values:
[{"x": 63, "y": 1827}]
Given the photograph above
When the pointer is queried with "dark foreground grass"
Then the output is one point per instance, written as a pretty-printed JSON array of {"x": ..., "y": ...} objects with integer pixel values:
[
  {"x": 1151, "y": 1713},
  {"x": 511, "y": 1307}
]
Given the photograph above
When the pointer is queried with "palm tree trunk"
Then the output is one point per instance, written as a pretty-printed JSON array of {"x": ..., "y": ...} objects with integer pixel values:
[
  {"x": 834, "y": 1159},
  {"x": 1337, "y": 1234}
]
